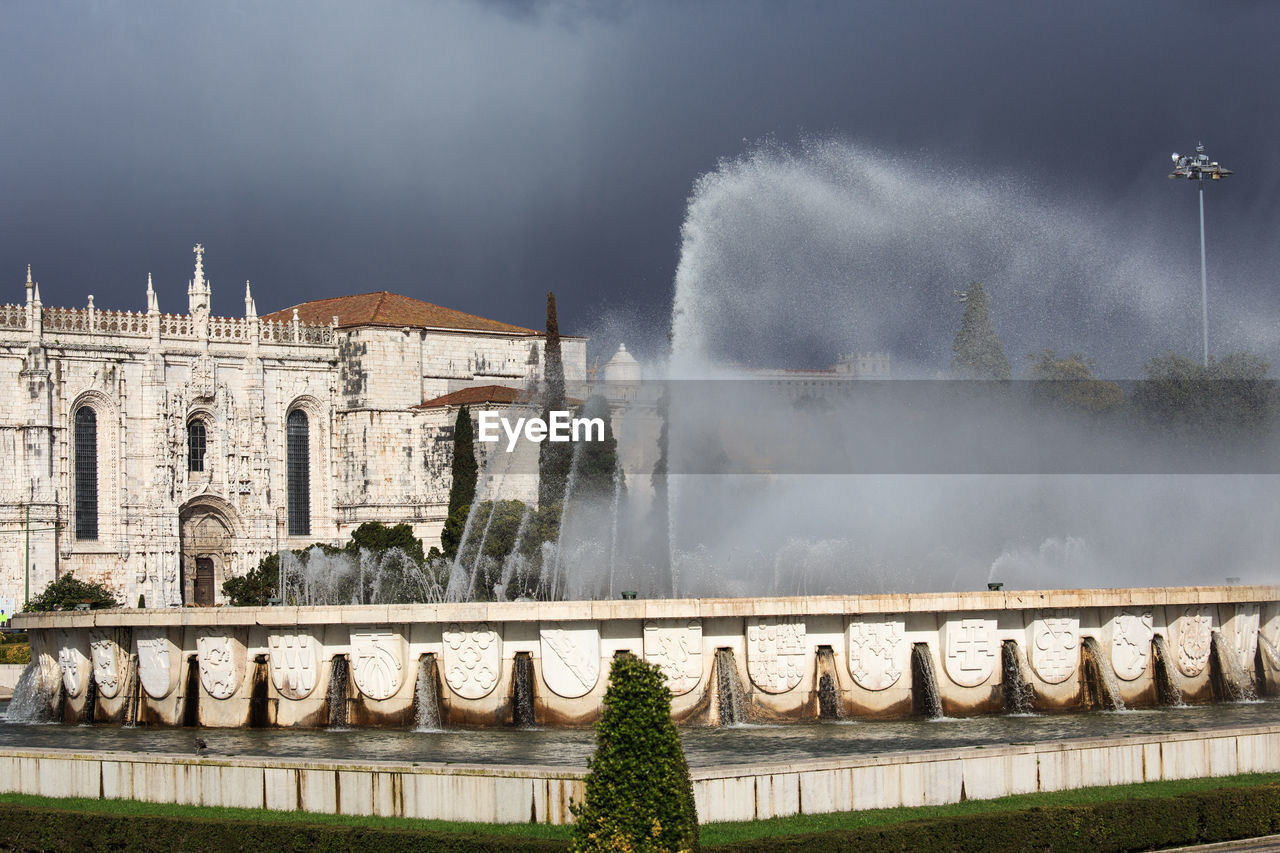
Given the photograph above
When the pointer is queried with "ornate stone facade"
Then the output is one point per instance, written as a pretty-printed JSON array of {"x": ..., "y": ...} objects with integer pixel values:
[{"x": 175, "y": 514}]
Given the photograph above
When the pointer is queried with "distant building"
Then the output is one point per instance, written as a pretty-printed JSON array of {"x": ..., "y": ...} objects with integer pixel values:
[{"x": 161, "y": 454}]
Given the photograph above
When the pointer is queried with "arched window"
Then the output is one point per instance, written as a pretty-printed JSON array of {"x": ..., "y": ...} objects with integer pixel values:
[
  {"x": 86, "y": 449},
  {"x": 195, "y": 446},
  {"x": 299, "y": 473}
]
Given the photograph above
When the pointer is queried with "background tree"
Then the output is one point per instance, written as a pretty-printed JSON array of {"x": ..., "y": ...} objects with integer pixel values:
[
  {"x": 1228, "y": 399},
  {"x": 978, "y": 353},
  {"x": 1070, "y": 381},
  {"x": 68, "y": 591},
  {"x": 462, "y": 488},
  {"x": 639, "y": 796},
  {"x": 554, "y": 458}
]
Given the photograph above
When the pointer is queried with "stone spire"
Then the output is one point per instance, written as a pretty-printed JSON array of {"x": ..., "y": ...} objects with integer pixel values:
[
  {"x": 29, "y": 285},
  {"x": 198, "y": 293},
  {"x": 153, "y": 304},
  {"x": 250, "y": 309}
]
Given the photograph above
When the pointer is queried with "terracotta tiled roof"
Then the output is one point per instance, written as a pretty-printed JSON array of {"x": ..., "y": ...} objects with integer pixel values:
[
  {"x": 476, "y": 395},
  {"x": 390, "y": 309}
]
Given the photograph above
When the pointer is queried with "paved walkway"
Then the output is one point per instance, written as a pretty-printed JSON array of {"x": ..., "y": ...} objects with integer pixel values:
[{"x": 1265, "y": 844}]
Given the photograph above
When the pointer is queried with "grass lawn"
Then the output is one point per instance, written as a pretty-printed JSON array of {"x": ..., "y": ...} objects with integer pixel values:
[{"x": 712, "y": 834}]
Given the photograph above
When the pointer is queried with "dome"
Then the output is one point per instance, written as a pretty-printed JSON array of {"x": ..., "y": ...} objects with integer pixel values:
[{"x": 622, "y": 368}]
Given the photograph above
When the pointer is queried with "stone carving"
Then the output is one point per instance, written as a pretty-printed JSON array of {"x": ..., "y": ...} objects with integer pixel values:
[
  {"x": 1241, "y": 633},
  {"x": 570, "y": 657},
  {"x": 377, "y": 662},
  {"x": 158, "y": 661},
  {"x": 105, "y": 654},
  {"x": 72, "y": 662},
  {"x": 971, "y": 650},
  {"x": 878, "y": 651},
  {"x": 222, "y": 663},
  {"x": 676, "y": 648},
  {"x": 1053, "y": 641},
  {"x": 776, "y": 652},
  {"x": 472, "y": 655},
  {"x": 295, "y": 664},
  {"x": 1131, "y": 634},
  {"x": 1194, "y": 639}
]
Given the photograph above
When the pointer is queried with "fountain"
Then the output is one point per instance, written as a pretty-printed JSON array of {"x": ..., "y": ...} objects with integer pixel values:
[
  {"x": 1019, "y": 696},
  {"x": 1231, "y": 681},
  {"x": 730, "y": 705},
  {"x": 1167, "y": 688},
  {"x": 925, "y": 697},
  {"x": 337, "y": 697},
  {"x": 426, "y": 696},
  {"x": 1101, "y": 688},
  {"x": 522, "y": 715},
  {"x": 828, "y": 682}
]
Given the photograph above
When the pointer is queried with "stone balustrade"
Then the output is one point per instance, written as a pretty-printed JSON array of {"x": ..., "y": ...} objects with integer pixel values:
[{"x": 131, "y": 324}]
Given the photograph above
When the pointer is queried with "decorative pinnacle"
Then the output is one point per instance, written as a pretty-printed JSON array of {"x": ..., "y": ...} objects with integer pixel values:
[
  {"x": 199, "y": 250},
  {"x": 150, "y": 289},
  {"x": 28, "y": 275}
]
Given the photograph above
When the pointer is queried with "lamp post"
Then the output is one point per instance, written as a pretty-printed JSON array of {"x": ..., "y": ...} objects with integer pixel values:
[{"x": 1196, "y": 167}]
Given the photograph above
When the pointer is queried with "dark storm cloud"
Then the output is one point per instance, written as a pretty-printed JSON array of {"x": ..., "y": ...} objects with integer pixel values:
[{"x": 480, "y": 154}]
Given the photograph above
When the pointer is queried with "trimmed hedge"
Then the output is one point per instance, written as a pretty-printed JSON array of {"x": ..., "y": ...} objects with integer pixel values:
[
  {"x": 31, "y": 828},
  {"x": 1203, "y": 817}
]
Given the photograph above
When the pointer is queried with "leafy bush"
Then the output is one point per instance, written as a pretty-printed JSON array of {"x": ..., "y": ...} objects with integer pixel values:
[
  {"x": 639, "y": 795},
  {"x": 68, "y": 591}
]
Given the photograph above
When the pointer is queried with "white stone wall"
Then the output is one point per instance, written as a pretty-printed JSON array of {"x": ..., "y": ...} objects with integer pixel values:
[{"x": 373, "y": 457}]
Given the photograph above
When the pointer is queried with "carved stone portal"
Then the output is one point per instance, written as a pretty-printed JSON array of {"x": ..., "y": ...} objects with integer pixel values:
[
  {"x": 1193, "y": 633},
  {"x": 878, "y": 651},
  {"x": 675, "y": 646},
  {"x": 295, "y": 664},
  {"x": 971, "y": 650},
  {"x": 222, "y": 662},
  {"x": 1053, "y": 642},
  {"x": 377, "y": 662},
  {"x": 106, "y": 656},
  {"x": 570, "y": 657},
  {"x": 472, "y": 654},
  {"x": 1131, "y": 632},
  {"x": 776, "y": 652}
]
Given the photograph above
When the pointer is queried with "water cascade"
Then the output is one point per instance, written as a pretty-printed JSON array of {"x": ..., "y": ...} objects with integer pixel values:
[
  {"x": 426, "y": 695},
  {"x": 522, "y": 691},
  {"x": 1101, "y": 689},
  {"x": 828, "y": 694},
  {"x": 925, "y": 698},
  {"x": 1019, "y": 696},
  {"x": 132, "y": 694},
  {"x": 338, "y": 692},
  {"x": 1230, "y": 682},
  {"x": 1267, "y": 653},
  {"x": 90, "y": 699},
  {"x": 191, "y": 695},
  {"x": 1166, "y": 687},
  {"x": 259, "y": 707},
  {"x": 33, "y": 695},
  {"x": 730, "y": 704}
]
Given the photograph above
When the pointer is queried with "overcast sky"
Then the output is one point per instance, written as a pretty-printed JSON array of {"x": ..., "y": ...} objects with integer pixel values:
[{"x": 478, "y": 154}]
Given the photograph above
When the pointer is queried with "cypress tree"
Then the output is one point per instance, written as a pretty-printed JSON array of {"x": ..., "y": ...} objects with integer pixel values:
[
  {"x": 462, "y": 491},
  {"x": 639, "y": 794},
  {"x": 978, "y": 354},
  {"x": 597, "y": 460},
  {"x": 554, "y": 458}
]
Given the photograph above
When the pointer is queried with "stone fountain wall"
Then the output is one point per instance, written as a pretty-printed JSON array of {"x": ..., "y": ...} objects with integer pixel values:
[{"x": 198, "y": 664}]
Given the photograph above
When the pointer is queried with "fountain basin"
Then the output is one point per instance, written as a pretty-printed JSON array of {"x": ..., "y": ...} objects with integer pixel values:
[{"x": 197, "y": 665}]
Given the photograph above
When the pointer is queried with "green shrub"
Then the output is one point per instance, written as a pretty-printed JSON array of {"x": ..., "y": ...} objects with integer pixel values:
[
  {"x": 639, "y": 795},
  {"x": 68, "y": 591}
]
